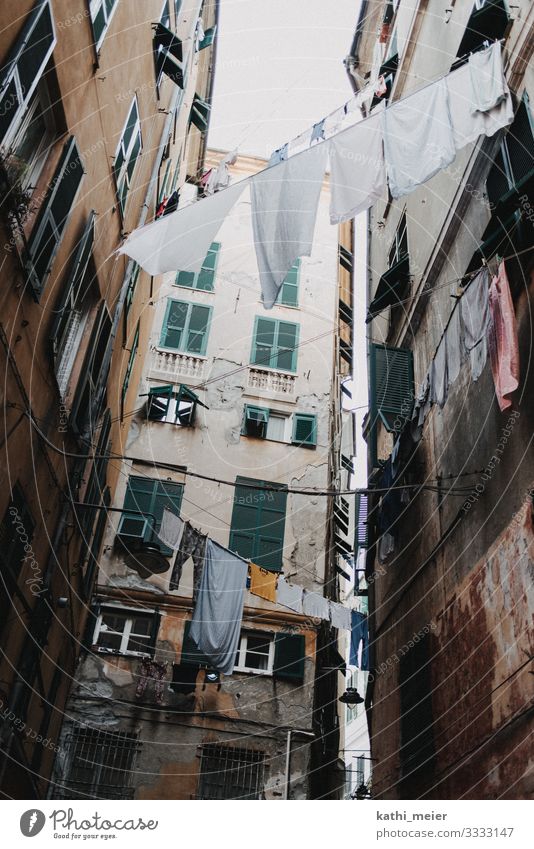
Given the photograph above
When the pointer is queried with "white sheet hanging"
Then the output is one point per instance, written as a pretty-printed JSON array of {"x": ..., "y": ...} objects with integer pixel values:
[
  {"x": 357, "y": 169},
  {"x": 487, "y": 78},
  {"x": 285, "y": 198},
  {"x": 418, "y": 138},
  {"x": 340, "y": 616},
  {"x": 180, "y": 241},
  {"x": 467, "y": 125}
]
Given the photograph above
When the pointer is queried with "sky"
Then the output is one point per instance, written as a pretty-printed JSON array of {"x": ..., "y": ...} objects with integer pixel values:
[{"x": 279, "y": 70}]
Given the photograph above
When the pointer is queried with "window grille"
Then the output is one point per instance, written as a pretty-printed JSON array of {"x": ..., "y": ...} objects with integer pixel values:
[
  {"x": 99, "y": 765},
  {"x": 231, "y": 773}
]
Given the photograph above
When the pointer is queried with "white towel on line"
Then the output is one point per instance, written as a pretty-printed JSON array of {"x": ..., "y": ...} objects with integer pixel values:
[{"x": 340, "y": 616}]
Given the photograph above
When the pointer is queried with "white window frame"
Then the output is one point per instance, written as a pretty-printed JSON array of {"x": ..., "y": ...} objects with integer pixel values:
[
  {"x": 94, "y": 8},
  {"x": 126, "y": 634},
  {"x": 288, "y": 427},
  {"x": 242, "y": 653},
  {"x": 127, "y": 152},
  {"x": 41, "y": 97}
]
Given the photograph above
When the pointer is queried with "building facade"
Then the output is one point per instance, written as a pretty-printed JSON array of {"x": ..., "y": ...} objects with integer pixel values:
[
  {"x": 236, "y": 408},
  {"x": 450, "y": 563},
  {"x": 103, "y": 112}
]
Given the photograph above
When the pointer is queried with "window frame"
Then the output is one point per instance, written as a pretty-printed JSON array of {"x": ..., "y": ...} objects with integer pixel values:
[
  {"x": 151, "y": 522},
  {"x": 123, "y": 179},
  {"x": 185, "y": 330},
  {"x": 129, "y": 615},
  {"x": 167, "y": 391},
  {"x": 12, "y": 71},
  {"x": 94, "y": 8},
  {"x": 243, "y": 650},
  {"x": 275, "y": 347},
  {"x": 259, "y": 533}
]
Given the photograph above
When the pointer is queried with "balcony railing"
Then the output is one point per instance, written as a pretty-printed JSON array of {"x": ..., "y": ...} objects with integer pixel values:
[
  {"x": 172, "y": 365},
  {"x": 276, "y": 382}
]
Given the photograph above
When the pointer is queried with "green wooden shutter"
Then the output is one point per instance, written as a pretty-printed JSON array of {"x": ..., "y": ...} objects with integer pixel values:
[
  {"x": 289, "y": 656},
  {"x": 286, "y": 353},
  {"x": 206, "y": 276},
  {"x": 304, "y": 430},
  {"x": 263, "y": 342},
  {"x": 158, "y": 402},
  {"x": 255, "y": 421},
  {"x": 173, "y": 324},
  {"x": 258, "y": 524},
  {"x": 191, "y": 654},
  {"x": 186, "y": 278},
  {"x": 197, "y": 330},
  {"x": 392, "y": 392},
  {"x": 209, "y": 37},
  {"x": 289, "y": 293},
  {"x": 200, "y": 111}
]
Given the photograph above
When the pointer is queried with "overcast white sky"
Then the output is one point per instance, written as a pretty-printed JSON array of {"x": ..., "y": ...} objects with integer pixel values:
[{"x": 279, "y": 70}]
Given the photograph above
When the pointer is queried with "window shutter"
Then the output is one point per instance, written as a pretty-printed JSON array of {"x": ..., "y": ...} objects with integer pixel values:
[
  {"x": 186, "y": 278},
  {"x": 304, "y": 430},
  {"x": 90, "y": 625},
  {"x": 191, "y": 654},
  {"x": 91, "y": 382},
  {"x": 263, "y": 344},
  {"x": 76, "y": 276},
  {"x": 255, "y": 421},
  {"x": 154, "y": 630},
  {"x": 206, "y": 275},
  {"x": 258, "y": 524},
  {"x": 520, "y": 143},
  {"x": 96, "y": 542},
  {"x": 209, "y": 37},
  {"x": 197, "y": 336},
  {"x": 391, "y": 385},
  {"x": 174, "y": 324},
  {"x": 286, "y": 355},
  {"x": 289, "y": 656},
  {"x": 361, "y": 531},
  {"x": 48, "y": 231},
  {"x": 26, "y": 64},
  {"x": 200, "y": 111},
  {"x": 158, "y": 402},
  {"x": 289, "y": 293}
]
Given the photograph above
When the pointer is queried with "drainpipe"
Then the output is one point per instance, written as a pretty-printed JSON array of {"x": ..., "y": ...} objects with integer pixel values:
[{"x": 288, "y": 757}]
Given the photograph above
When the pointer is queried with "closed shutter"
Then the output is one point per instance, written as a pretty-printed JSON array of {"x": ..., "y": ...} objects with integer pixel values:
[
  {"x": 24, "y": 68},
  {"x": 258, "y": 525},
  {"x": 263, "y": 345},
  {"x": 150, "y": 497},
  {"x": 289, "y": 656},
  {"x": 91, "y": 383},
  {"x": 48, "y": 231},
  {"x": 94, "y": 549},
  {"x": 174, "y": 324},
  {"x": 304, "y": 430},
  {"x": 361, "y": 531},
  {"x": 72, "y": 290},
  {"x": 197, "y": 336},
  {"x": 286, "y": 356},
  {"x": 206, "y": 275},
  {"x": 154, "y": 629},
  {"x": 520, "y": 144},
  {"x": 391, "y": 385}
]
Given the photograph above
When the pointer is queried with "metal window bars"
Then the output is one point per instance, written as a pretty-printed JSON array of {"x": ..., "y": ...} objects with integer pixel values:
[
  {"x": 99, "y": 765},
  {"x": 230, "y": 773}
]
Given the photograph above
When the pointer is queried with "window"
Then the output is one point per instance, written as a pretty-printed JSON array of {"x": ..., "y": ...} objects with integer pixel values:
[
  {"x": 75, "y": 305},
  {"x": 265, "y": 424},
  {"x": 185, "y": 327},
  {"x": 101, "y": 13},
  {"x": 91, "y": 386},
  {"x": 352, "y": 711},
  {"x": 416, "y": 726},
  {"x": 288, "y": 295},
  {"x": 391, "y": 386},
  {"x": 16, "y": 531},
  {"x": 148, "y": 497},
  {"x": 230, "y": 773},
  {"x": 129, "y": 367},
  {"x": 31, "y": 143},
  {"x": 205, "y": 278},
  {"x": 255, "y": 653},
  {"x": 361, "y": 532},
  {"x": 392, "y": 285},
  {"x": 22, "y": 72},
  {"x": 125, "y": 631},
  {"x": 514, "y": 162},
  {"x": 166, "y": 405},
  {"x": 289, "y": 657},
  {"x": 99, "y": 765},
  {"x": 48, "y": 230},
  {"x": 258, "y": 524},
  {"x": 488, "y": 22},
  {"x": 168, "y": 51},
  {"x": 275, "y": 344},
  {"x": 127, "y": 154},
  {"x": 304, "y": 430}
]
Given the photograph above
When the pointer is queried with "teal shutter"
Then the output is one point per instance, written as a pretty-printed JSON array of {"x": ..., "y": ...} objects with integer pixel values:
[
  {"x": 149, "y": 496},
  {"x": 174, "y": 324},
  {"x": 289, "y": 656},
  {"x": 158, "y": 402},
  {"x": 48, "y": 232},
  {"x": 129, "y": 367},
  {"x": 258, "y": 524},
  {"x": 209, "y": 37},
  {"x": 304, "y": 430},
  {"x": 255, "y": 421},
  {"x": 191, "y": 654},
  {"x": 289, "y": 293},
  {"x": 200, "y": 111},
  {"x": 392, "y": 392},
  {"x": 275, "y": 344},
  {"x": 186, "y": 278},
  {"x": 263, "y": 342},
  {"x": 206, "y": 277},
  {"x": 197, "y": 337},
  {"x": 286, "y": 355}
]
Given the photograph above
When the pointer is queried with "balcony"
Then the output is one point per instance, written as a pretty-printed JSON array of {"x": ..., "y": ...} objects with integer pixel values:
[
  {"x": 272, "y": 382},
  {"x": 173, "y": 365}
]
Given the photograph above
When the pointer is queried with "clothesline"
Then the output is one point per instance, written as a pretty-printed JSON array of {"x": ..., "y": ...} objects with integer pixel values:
[{"x": 420, "y": 136}]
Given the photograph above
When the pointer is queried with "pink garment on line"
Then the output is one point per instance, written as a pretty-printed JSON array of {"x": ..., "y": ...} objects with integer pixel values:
[{"x": 504, "y": 347}]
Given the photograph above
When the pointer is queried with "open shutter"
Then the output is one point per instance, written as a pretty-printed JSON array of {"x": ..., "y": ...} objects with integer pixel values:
[
  {"x": 90, "y": 625},
  {"x": 304, "y": 430},
  {"x": 209, "y": 37},
  {"x": 360, "y": 532},
  {"x": 255, "y": 421},
  {"x": 91, "y": 382},
  {"x": 158, "y": 402},
  {"x": 392, "y": 391},
  {"x": 289, "y": 656},
  {"x": 154, "y": 630},
  {"x": 76, "y": 276},
  {"x": 49, "y": 228},
  {"x": 200, "y": 111}
]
